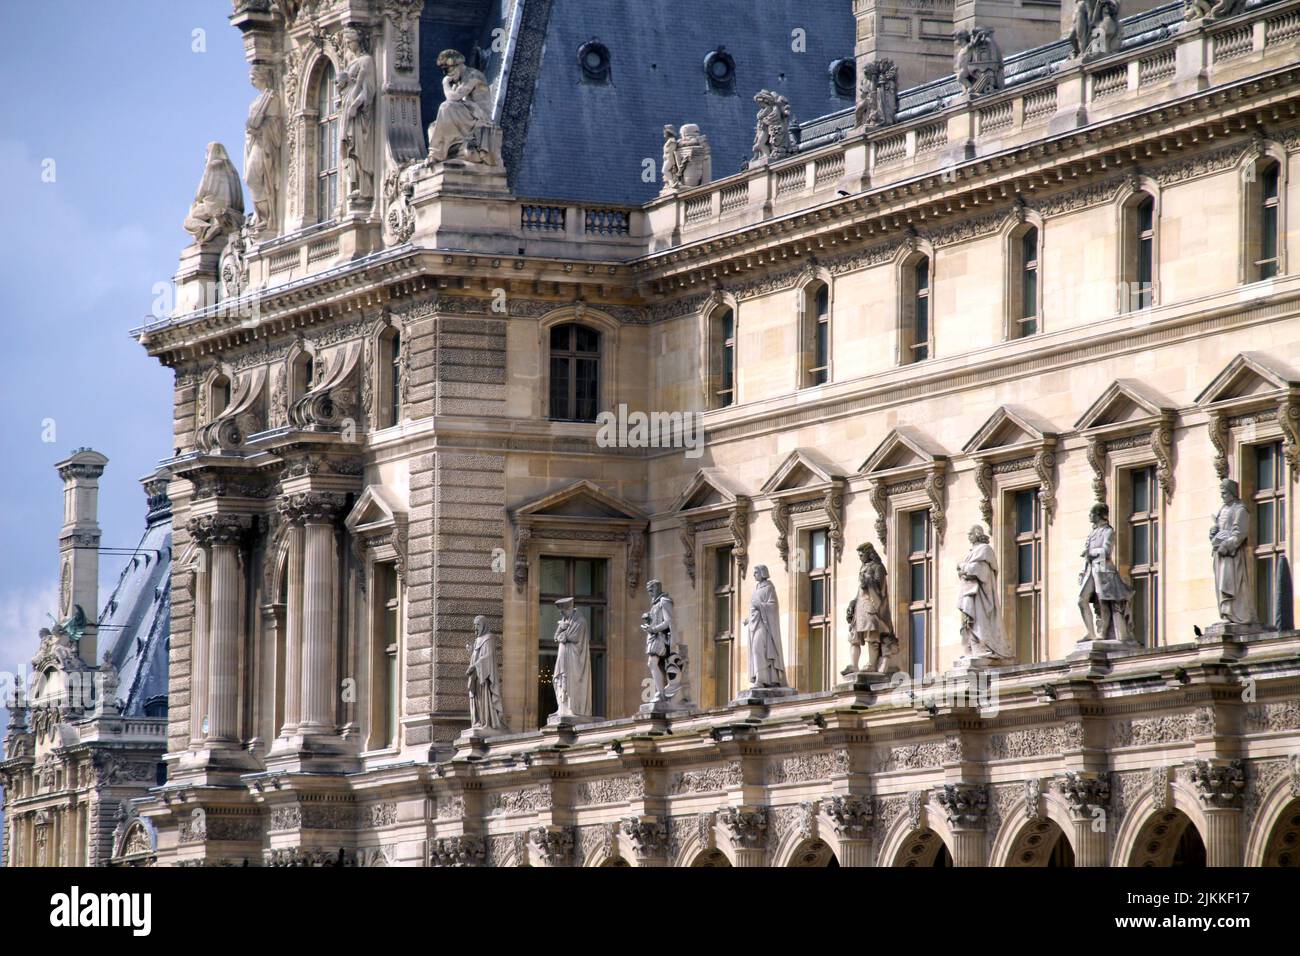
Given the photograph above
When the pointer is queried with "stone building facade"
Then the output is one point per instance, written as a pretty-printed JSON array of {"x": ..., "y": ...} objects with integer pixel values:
[
  {"x": 87, "y": 730},
  {"x": 1000, "y": 296}
]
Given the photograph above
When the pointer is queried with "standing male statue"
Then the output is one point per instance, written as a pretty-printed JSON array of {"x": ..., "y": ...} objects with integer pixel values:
[
  {"x": 977, "y": 601},
  {"x": 657, "y": 623},
  {"x": 572, "y": 675},
  {"x": 1102, "y": 586},
  {"x": 766, "y": 661},
  {"x": 869, "y": 619},
  {"x": 485, "y": 710},
  {"x": 1231, "y": 557}
]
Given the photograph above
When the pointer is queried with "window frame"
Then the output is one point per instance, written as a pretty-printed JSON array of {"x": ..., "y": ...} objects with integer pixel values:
[
  {"x": 601, "y": 652},
  {"x": 908, "y": 604},
  {"x": 1255, "y": 207},
  {"x": 919, "y": 262},
  {"x": 722, "y": 634},
  {"x": 1134, "y": 238},
  {"x": 1013, "y": 588},
  {"x": 816, "y": 304},
  {"x": 1276, "y": 497},
  {"x": 572, "y": 356},
  {"x": 721, "y": 357},
  {"x": 816, "y": 653},
  {"x": 1016, "y": 238},
  {"x": 325, "y": 125},
  {"x": 1150, "y": 570}
]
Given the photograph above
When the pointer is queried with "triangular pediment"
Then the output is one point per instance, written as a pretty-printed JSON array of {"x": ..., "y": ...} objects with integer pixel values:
[
  {"x": 1124, "y": 400},
  {"x": 583, "y": 499},
  {"x": 1009, "y": 427},
  {"x": 1249, "y": 375},
  {"x": 802, "y": 468},
  {"x": 377, "y": 507},
  {"x": 904, "y": 447},
  {"x": 709, "y": 488}
]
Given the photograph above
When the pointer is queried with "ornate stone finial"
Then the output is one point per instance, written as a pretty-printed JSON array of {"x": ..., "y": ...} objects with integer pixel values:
[
  {"x": 554, "y": 844},
  {"x": 977, "y": 62},
  {"x": 772, "y": 139},
  {"x": 648, "y": 835},
  {"x": 965, "y": 805},
  {"x": 468, "y": 849},
  {"x": 218, "y": 205},
  {"x": 851, "y": 816},
  {"x": 687, "y": 159},
  {"x": 746, "y": 826},
  {"x": 1219, "y": 784},
  {"x": 877, "y": 94}
]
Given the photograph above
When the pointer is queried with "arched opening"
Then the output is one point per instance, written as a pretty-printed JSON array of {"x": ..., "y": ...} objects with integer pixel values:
[
  {"x": 813, "y": 853},
  {"x": 1283, "y": 848},
  {"x": 1041, "y": 843},
  {"x": 916, "y": 318},
  {"x": 722, "y": 358},
  {"x": 301, "y": 374},
  {"x": 713, "y": 857},
  {"x": 616, "y": 861},
  {"x": 815, "y": 332},
  {"x": 327, "y": 144},
  {"x": 219, "y": 397},
  {"x": 1263, "y": 219},
  {"x": 1168, "y": 839},
  {"x": 1139, "y": 252},
  {"x": 1024, "y": 286},
  {"x": 923, "y": 848}
]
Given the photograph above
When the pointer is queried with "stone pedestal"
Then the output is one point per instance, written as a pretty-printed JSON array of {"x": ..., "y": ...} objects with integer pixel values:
[
  {"x": 1225, "y": 631},
  {"x": 865, "y": 680},
  {"x": 1086, "y": 649},
  {"x": 667, "y": 708},
  {"x": 474, "y": 741},
  {"x": 762, "y": 695},
  {"x": 570, "y": 720}
]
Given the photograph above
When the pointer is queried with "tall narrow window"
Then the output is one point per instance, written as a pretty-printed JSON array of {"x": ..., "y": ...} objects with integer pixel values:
[
  {"x": 1028, "y": 538},
  {"x": 1266, "y": 262},
  {"x": 724, "y": 597},
  {"x": 394, "y": 357},
  {"x": 582, "y": 579},
  {"x": 817, "y": 332},
  {"x": 818, "y": 639},
  {"x": 1270, "y": 525},
  {"x": 327, "y": 146},
  {"x": 1140, "y": 252},
  {"x": 575, "y": 373},
  {"x": 388, "y": 622},
  {"x": 916, "y": 343},
  {"x": 300, "y": 376},
  {"x": 1143, "y": 553},
  {"x": 920, "y": 578},
  {"x": 723, "y": 361},
  {"x": 1027, "y": 319},
  {"x": 220, "y": 393}
]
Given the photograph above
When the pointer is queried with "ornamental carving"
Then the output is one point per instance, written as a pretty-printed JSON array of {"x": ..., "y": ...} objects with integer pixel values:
[
  {"x": 1273, "y": 715},
  {"x": 798, "y": 768},
  {"x": 707, "y": 780},
  {"x": 311, "y": 506},
  {"x": 922, "y": 756},
  {"x": 468, "y": 849},
  {"x": 1218, "y": 786},
  {"x": 850, "y": 816},
  {"x": 286, "y": 818},
  {"x": 965, "y": 805},
  {"x": 219, "y": 529},
  {"x": 1171, "y": 728},
  {"x": 1035, "y": 741},
  {"x": 554, "y": 844},
  {"x": 1085, "y": 793},
  {"x": 746, "y": 826},
  {"x": 1033, "y": 799},
  {"x": 687, "y": 538},
  {"x": 648, "y": 836},
  {"x": 521, "y": 801},
  {"x": 610, "y": 790}
]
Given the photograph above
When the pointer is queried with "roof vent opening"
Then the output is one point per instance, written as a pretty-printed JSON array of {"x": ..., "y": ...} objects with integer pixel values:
[
  {"x": 844, "y": 76},
  {"x": 593, "y": 59},
  {"x": 720, "y": 68}
]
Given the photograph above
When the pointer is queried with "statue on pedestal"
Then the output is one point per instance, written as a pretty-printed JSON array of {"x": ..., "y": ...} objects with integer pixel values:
[
  {"x": 485, "y": 711},
  {"x": 766, "y": 660},
  {"x": 688, "y": 160},
  {"x": 772, "y": 131},
  {"x": 572, "y": 676},
  {"x": 1094, "y": 29},
  {"x": 357, "y": 118},
  {"x": 868, "y": 617},
  {"x": 1228, "y": 535},
  {"x": 977, "y": 61},
  {"x": 1104, "y": 592},
  {"x": 263, "y": 134},
  {"x": 977, "y": 601},
  {"x": 877, "y": 94},
  {"x": 107, "y": 680},
  {"x": 463, "y": 129},
  {"x": 219, "y": 201},
  {"x": 657, "y": 623}
]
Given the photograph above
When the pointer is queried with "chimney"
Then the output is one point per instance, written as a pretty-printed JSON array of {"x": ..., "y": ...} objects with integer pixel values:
[{"x": 79, "y": 544}]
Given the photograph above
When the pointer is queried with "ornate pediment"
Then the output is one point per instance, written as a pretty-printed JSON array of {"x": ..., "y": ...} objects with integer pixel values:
[
  {"x": 711, "y": 497},
  {"x": 1014, "y": 439},
  {"x": 1008, "y": 430},
  {"x": 807, "y": 481},
  {"x": 582, "y": 509},
  {"x": 1129, "y": 409},
  {"x": 379, "y": 515},
  {"x": 907, "y": 458},
  {"x": 1259, "y": 385},
  {"x": 802, "y": 470}
]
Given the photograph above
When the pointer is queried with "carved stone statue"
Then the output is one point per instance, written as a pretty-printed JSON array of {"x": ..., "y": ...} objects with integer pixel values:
[
  {"x": 877, "y": 94},
  {"x": 572, "y": 676},
  {"x": 1103, "y": 591},
  {"x": 664, "y": 656},
  {"x": 107, "y": 680},
  {"x": 1211, "y": 10},
  {"x": 766, "y": 660},
  {"x": 357, "y": 118},
  {"x": 485, "y": 711},
  {"x": 1094, "y": 29},
  {"x": 869, "y": 619},
  {"x": 772, "y": 130},
  {"x": 1228, "y": 535},
  {"x": 977, "y": 61},
  {"x": 232, "y": 266},
  {"x": 463, "y": 130},
  {"x": 688, "y": 160},
  {"x": 263, "y": 135},
  {"x": 219, "y": 202},
  {"x": 977, "y": 601}
]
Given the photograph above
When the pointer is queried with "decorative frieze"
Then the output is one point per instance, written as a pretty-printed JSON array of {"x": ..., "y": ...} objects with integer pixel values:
[
  {"x": 1169, "y": 728},
  {"x": 799, "y": 768},
  {"x": 707, "y": 780},
  {"x": 1035, "y": 741},
  {"x": 610, "y": 790},
  {"x": 529, "y": 800}
]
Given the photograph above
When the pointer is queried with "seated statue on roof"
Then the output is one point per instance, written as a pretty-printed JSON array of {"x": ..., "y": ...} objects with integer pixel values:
[{"x": 463, "y": 131}]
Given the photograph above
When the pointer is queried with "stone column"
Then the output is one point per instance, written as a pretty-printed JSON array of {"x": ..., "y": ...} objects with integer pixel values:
[
  {"x": 223, "y": 651},
  {"x": 851, "y": 817},
  {"x": 319, "y": 510},
  {"x": 293, "y": 636},
  {"x": 1089, "y": 797},
  {"x": 747, "y": 828},
  {"x": 1219, "y": 785},
  {"x": 966, "y": 807},
  {"x": 199, "y": 642}
]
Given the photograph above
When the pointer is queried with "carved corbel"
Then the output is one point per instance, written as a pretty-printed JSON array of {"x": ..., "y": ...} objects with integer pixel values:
[
  {"x": 1096, "y": 455},
  {"x": 1162, "y": 446},
  {"x": 522, "y": 534},
  {"x": 934, "y": 487},
  {"x": 687, "y": 536},
  {"x": 1045, "y": 469},
  {"x": 738, "y": 525},
  {"x": 635, "y": 548},
  {"x": 1218, "y": 426},
  {"x": 781, "y": 518},
  {"x": 833, "y": 504},
  {"x": 880, "y": 504},
  {"x": 1288, "y": 417},
  {"x": 984, "y": 481}
]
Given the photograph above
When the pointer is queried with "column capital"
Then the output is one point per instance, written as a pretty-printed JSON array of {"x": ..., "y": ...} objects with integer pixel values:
[
  {"x": 648, "y": 835},
  {"x": 219, "y": 528},
  {"x": 311, "y": 506},
  {"x": 747, "y": 826},
  {"x": 554, "y": 844},
  {"x": 1219, "y": 783},
  {"x": 966, "y": 805},
  {"x": 468, "y": 849},
  {"x": 1084, "y": 792},
  {"x": 851, "y": 816}
]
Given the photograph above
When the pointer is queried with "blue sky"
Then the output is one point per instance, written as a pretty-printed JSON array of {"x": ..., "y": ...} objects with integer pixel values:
[{"x": 122, "y": 96}]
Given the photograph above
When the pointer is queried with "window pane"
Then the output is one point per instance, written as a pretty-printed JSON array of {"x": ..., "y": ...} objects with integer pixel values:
[
  {"x": 816, "y": 658},
  {"x": 1264, "y": 589},
  {"x": 917, "y": 592},
  {"x": 1264, "y": 522},
  {"x": 722, "y": 567},
  {"x": 597, "y": 682},
  {"x": 722, "y": 614},
  {"x": 1029, "y": 296},
  {"x": 823, "y": 301},
  {"x": 1141, "y": 549},
  {"x": 587, "y": 388},
  {"x": 728, "y": 323},
  {"x": 1025, "y": 627},
  {"x": 587, "y": 339},
  {"x": 817, "y": 597},
  {"x": 1141, "y": 490},
  {"x": 1141, "y": 596},
  {"x": 560, "y": 336},
  {"x": 1264, "y": 467},
  {"x": 922, "y": 332},
  {"x": 1025, "y": 564},
  {"x": 923, "y": 275},
  {"x": 1024, "y": 512},
  {"x": 820, "y": 351},
  {"x": 721, "y": 672},
  {"x": 918, "y": 522},
  {"x": 560, "y": 388},
  {"x": 917, "y": 627},
  {"x": 818, "y": 541}
]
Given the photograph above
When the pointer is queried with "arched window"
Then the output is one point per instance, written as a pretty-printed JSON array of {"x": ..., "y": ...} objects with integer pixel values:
[
  {"x": 1263, "y": 198},
  {"x": 722, "y": 358},
  {"x": 1139, "y": 253},
  {"x": 389, "y": 387},
  {"x": 1025, "y": 286},
  {"x": 301, "y": 373},
  {"x": 220, "y": 393},
  {"x": 816, "y": 331},
  {"x": 327, "y": 145},
  {"x": 917, "y": 326},
  {"x": 575, "y": 373}
]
